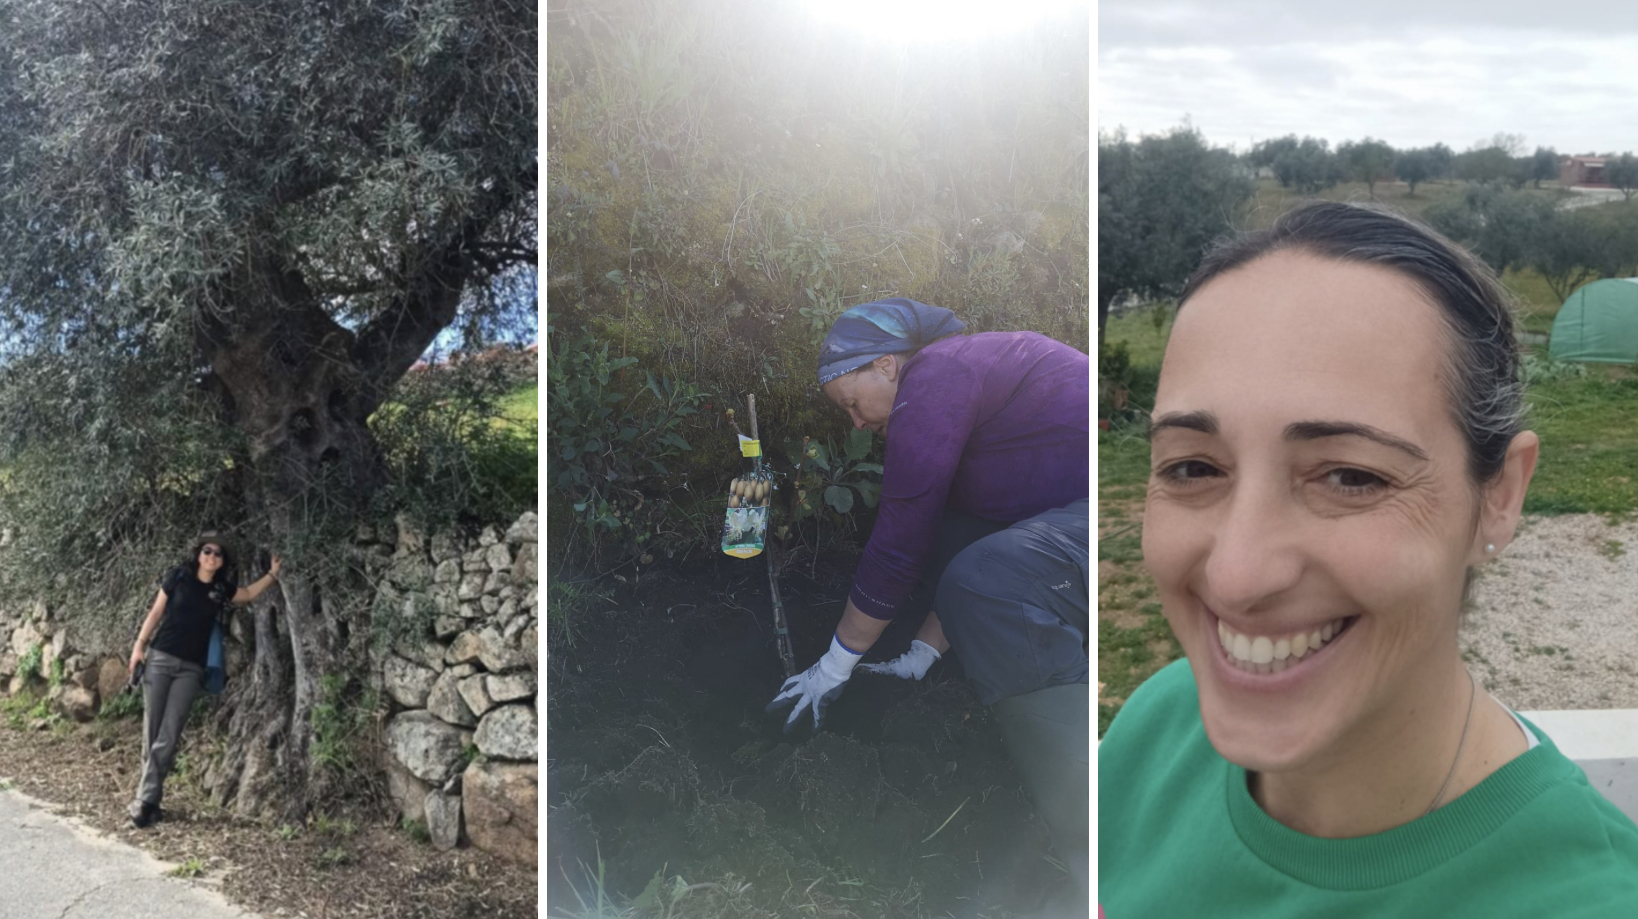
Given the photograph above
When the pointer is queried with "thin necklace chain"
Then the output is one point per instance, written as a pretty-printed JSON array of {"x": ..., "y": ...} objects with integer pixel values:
[{"x": 1473, "y": 694}]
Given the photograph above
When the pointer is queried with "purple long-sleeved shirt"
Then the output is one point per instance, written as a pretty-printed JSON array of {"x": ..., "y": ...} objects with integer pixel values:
[{"x": 993, "y": 425}]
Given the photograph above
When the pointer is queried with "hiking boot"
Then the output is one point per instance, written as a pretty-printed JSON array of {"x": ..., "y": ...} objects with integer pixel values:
[
  {"x": 145, "y": 816},
  {"x": 1047, "y": 736}
]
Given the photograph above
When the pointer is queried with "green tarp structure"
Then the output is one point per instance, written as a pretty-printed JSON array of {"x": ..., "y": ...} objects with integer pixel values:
[{"x": 1599, "y": 322}]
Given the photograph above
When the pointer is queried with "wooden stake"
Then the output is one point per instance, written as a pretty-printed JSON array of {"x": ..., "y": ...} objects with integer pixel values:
[{"x": 782, "y": 632}]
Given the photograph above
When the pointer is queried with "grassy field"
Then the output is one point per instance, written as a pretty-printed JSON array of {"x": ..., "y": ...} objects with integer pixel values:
[
  {"x": 1589, "y": 464},
  {"x": 1272, "y": 200},
  {"x": 522, "y": 407}
]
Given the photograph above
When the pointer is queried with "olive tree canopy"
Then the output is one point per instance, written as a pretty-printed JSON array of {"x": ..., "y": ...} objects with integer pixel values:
[
  {"x": 1162, "y": 200},
  {"x": 236, "y": 225}
]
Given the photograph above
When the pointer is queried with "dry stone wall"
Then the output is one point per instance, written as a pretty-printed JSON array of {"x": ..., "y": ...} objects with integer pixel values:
[
  {"x": 460, "y": 738},
  {"x": 461, "y": 747}
]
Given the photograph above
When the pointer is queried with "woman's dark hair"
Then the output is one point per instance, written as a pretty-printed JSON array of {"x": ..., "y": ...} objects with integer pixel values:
[{"x": 1482, "y": 378}]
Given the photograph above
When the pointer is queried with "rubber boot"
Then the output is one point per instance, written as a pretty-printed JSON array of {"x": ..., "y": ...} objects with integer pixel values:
[{"x": 1047, "y": 735}]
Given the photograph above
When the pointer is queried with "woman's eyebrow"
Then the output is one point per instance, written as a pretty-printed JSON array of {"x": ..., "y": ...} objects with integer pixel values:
[
  {"x": 1204, "y": 422},
  {"x": 1314, "y": 430}
]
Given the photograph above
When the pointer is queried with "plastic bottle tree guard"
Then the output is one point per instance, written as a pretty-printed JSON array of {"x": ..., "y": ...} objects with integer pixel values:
[{"x": 745, "y": 527}]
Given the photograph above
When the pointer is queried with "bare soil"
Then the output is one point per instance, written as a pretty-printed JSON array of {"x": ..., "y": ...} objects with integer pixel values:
[
  {"x": 661, "y": 760},
  {"x": 356, "y": 864}
]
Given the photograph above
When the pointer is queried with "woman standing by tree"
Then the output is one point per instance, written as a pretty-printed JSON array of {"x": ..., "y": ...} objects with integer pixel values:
[{"x": 190, "y": 601}]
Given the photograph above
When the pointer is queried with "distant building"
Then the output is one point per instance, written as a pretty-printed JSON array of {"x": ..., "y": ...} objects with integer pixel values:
[{"x": 1582, "y": 170}]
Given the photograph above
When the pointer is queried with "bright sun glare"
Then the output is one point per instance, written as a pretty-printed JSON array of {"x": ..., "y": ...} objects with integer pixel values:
[{"x": 934, "y": 20}]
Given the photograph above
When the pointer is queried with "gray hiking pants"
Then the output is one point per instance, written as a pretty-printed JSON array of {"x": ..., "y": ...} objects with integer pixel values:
[
  {"x": 1015, "y": 601},
  {"x": 168, "y": 687}
]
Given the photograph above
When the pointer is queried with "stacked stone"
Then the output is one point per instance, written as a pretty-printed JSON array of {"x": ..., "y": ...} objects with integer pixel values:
[
  {"x": 86, "y": 680},
  {"x": 466, "y": 686}
]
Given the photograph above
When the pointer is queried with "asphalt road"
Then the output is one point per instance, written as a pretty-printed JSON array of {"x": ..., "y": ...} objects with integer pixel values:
[{"x": 53, "y": 868}]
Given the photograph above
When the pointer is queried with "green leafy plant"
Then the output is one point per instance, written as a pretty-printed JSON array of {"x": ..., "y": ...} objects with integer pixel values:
[
  {"x": 192, "y": 867},
  {"x": 335, "y": 857},
  {"x": 1126, "y": 388},
  {"x": 58, "y": 673},
  {"x": 610, "y": 433},
  {"x": 417, "y": 830},
  {"x": 832, "y": 486},
  {"x": 460, "y": 447},
  {"x": 824, "y": 305},
  {"x": 28, "y": 665},
  {"x": 339, "y": 719},
  {"x": 326, "y": 825},
  {"x": 288, "y": 831},
  {"x": 1534, "y": 369},
  {"x": 16, "y": 709},
  {"x": 121, "y": 705}
]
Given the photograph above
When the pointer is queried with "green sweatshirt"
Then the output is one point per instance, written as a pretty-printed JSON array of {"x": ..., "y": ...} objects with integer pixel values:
[{"x": 1179, "y": 835}]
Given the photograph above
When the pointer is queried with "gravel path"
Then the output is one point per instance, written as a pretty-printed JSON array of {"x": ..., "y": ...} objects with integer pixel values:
[{"x": 1554, "y": 623}]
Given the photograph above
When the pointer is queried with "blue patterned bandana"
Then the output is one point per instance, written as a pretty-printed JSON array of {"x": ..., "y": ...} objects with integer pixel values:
[{"x": 871, "y": 330}]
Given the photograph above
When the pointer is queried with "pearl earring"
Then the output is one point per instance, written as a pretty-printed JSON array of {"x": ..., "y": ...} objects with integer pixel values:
[{"x": 1490, "y": 548}]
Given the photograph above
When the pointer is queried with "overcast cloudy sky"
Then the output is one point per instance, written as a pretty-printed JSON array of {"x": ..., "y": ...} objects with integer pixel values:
[{"x": 1411, "y": 72}]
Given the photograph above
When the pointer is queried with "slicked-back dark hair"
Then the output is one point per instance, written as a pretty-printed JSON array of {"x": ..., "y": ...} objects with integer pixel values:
[{"x": 1482, "y": 358}]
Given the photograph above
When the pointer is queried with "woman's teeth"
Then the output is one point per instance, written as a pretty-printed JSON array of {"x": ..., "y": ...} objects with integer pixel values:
[{"x": 1273, "y": 654}]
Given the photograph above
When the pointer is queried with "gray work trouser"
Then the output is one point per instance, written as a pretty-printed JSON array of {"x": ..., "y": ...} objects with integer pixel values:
[
  {"x": 1015, "y": 603},
  {"x": 168, "y": 687}
]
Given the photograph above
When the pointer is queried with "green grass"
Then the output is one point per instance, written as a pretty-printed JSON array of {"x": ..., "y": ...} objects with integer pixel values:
[
  {"x": 1128, "y": 655},
  {"x": 521, "y": 409},
  {"x": 191, "y": 868},
  {"x": 1145, "y": 339},
  {"x": 1589, "y": 444},
  {"x": 1123, "y": 464},
  {"x": 1538, "y": 305}
]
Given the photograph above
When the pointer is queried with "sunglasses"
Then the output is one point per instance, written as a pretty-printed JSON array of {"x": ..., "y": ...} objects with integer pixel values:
[{"x": 216, "y": 552}]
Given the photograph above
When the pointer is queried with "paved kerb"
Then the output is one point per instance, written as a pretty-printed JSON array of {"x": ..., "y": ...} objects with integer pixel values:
[{"x": 55, "y": 868}]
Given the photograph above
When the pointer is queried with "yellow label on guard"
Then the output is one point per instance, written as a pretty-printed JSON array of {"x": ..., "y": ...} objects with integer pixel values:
[
  {"x": 743, "y": 552},
  {"x": 749, "y": 447}
]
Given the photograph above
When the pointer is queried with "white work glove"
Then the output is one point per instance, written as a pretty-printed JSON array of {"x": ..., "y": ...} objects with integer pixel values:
[
  {"x": 817, "y": 686},
  {"x": 911, "y": 665}
]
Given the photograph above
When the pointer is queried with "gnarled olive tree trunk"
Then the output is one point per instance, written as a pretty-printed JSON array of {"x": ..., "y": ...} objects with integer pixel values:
[{"x": 302, "y": 388}]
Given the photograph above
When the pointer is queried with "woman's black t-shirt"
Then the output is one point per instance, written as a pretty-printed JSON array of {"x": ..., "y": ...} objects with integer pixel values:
[{"x": 190, "y": 609}]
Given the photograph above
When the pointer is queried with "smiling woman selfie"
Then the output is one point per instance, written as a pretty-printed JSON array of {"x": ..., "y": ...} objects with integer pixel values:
[{"x": 1338, "y": 445}]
